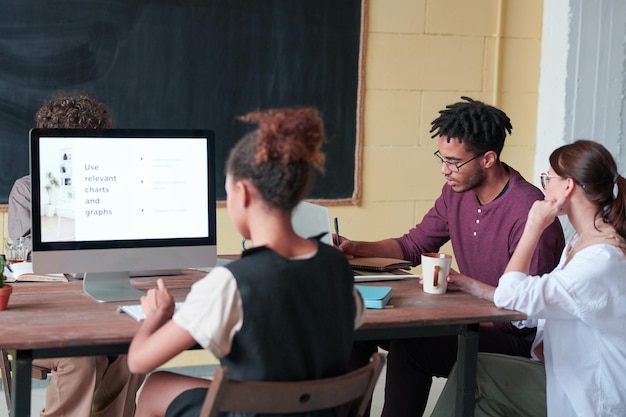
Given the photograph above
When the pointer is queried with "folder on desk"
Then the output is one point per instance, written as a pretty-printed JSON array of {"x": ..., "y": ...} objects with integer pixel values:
[
  {"x": 379, "y": 264},
  {"x": 374, "y": 296}
]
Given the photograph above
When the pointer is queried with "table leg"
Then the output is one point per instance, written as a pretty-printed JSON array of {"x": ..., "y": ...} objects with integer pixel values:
[
  {"x": 21, "y": 392},
  {"x": 467, "y": 357}
]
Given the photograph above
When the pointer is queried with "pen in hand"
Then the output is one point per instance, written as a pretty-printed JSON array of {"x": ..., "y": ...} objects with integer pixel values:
[{"x": 337, "y": 232}]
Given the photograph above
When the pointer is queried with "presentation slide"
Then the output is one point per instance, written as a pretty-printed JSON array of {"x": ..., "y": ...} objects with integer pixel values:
[{"x": 124, "y": 188}]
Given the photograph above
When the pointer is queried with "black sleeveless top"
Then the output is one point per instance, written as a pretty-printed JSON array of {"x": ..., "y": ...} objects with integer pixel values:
[
  {"x": 298, "y": 316},
  {"x": 298, "y": 323}
]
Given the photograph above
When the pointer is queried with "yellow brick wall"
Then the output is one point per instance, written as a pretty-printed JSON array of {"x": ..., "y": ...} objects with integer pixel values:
[{"x": 420, "y": 56}]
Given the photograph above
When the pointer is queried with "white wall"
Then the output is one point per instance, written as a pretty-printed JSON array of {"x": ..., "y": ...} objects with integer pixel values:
[{"x": 582, "y": 77}]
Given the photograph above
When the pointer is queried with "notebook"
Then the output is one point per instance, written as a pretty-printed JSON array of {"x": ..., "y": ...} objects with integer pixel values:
[
  {"x": 373, "y": 276},
  {"x": 375, "y": 297},
  {"x": 23, "y": 271},
  {"x": 379, "y": 264}
]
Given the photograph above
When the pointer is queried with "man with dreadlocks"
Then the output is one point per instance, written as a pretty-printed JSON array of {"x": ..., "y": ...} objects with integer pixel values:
[{"x": 482, "y": 211}]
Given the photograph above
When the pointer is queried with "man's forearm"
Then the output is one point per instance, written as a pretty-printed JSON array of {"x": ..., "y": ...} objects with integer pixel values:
[{"x": 387, "y": 248}]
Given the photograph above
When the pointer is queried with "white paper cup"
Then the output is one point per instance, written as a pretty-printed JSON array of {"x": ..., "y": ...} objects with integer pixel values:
[{"x": 435, "y": 270}]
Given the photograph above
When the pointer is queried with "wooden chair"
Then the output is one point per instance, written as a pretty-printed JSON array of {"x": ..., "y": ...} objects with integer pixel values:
[
  {"x": 354, "y": 388},
  {"x": 38, "y": 372}
]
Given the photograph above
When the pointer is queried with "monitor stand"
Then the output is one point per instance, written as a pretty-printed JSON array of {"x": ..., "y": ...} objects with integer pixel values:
[{"x": 106, "y": 287}]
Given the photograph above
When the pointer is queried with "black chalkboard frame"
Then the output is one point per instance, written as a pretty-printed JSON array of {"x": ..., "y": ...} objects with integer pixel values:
[{"x": 19, "y": 100}]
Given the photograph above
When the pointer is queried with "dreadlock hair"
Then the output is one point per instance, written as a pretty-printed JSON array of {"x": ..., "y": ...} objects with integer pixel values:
[
  {"x": 280, "y": 155},
  {"x": 481, "y": 127}
]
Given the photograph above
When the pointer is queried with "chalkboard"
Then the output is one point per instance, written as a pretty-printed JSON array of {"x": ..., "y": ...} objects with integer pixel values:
[{"x": 187, "y": 64}]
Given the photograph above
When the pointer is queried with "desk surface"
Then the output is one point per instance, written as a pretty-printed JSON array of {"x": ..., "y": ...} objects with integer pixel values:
[
  {"x": 58, "y": 314},
  {"x": 56, "y": 319}
]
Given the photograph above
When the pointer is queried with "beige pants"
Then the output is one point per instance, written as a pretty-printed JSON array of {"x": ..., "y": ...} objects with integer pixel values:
[
  {"x": 506, "y": 386},
  {"x": 86, "y": 386}
]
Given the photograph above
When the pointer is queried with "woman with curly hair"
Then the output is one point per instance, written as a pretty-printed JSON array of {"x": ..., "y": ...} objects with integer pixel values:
[{"x": 259, "y": 315}]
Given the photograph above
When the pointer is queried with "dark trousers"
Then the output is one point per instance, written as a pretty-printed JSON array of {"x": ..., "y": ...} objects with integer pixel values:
[{"x": 412, "y": 363}]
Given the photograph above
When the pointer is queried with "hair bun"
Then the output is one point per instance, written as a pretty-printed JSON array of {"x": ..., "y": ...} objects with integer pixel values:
[{"x": 289, "y": 135}]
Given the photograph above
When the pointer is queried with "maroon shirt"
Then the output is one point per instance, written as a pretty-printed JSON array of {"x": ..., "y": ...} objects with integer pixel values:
[{"x": 484, "y": 236}]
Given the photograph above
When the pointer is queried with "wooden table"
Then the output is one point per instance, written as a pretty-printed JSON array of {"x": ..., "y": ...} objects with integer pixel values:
[{"x": 46, "y": 320}]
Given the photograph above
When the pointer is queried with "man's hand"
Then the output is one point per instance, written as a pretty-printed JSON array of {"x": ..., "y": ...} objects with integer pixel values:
[
  {"x": 345, "y": 245},
  {"x": 457, "y": 281}
]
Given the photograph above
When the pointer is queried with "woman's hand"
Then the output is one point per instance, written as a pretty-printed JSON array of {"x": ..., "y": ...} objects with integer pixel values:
[
  {"x": 541, "y": 215},
  {"x": 158, "y": 302},
  {"x": 543, "y": 212},
  {"x": 158, "y": 338}
]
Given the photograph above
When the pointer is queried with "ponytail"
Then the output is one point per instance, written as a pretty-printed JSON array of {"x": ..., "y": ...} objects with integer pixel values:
[{"x": 617, "y": 211}]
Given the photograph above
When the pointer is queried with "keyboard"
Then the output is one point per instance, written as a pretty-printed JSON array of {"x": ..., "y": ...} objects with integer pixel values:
[{"x": 136, "y": 312}]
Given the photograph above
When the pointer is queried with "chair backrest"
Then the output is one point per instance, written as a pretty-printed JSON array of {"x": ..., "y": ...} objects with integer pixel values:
[
  {"x": 5, "y": 372},
  {"x": 354, "y": 388}
]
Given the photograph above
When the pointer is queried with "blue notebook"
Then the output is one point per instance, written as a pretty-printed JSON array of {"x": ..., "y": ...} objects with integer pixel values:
[{"x": 374, "y": 297}]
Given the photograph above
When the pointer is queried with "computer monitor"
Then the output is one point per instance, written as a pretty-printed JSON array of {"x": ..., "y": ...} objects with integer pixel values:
[{"x": 110, "y": 201}]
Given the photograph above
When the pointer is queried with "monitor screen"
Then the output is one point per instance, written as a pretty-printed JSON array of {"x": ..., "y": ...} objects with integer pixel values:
[{"x": 112, "y": 201}]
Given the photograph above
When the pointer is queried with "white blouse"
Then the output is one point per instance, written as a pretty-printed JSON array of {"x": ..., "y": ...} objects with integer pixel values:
[{"x": 581, "y": 313}]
